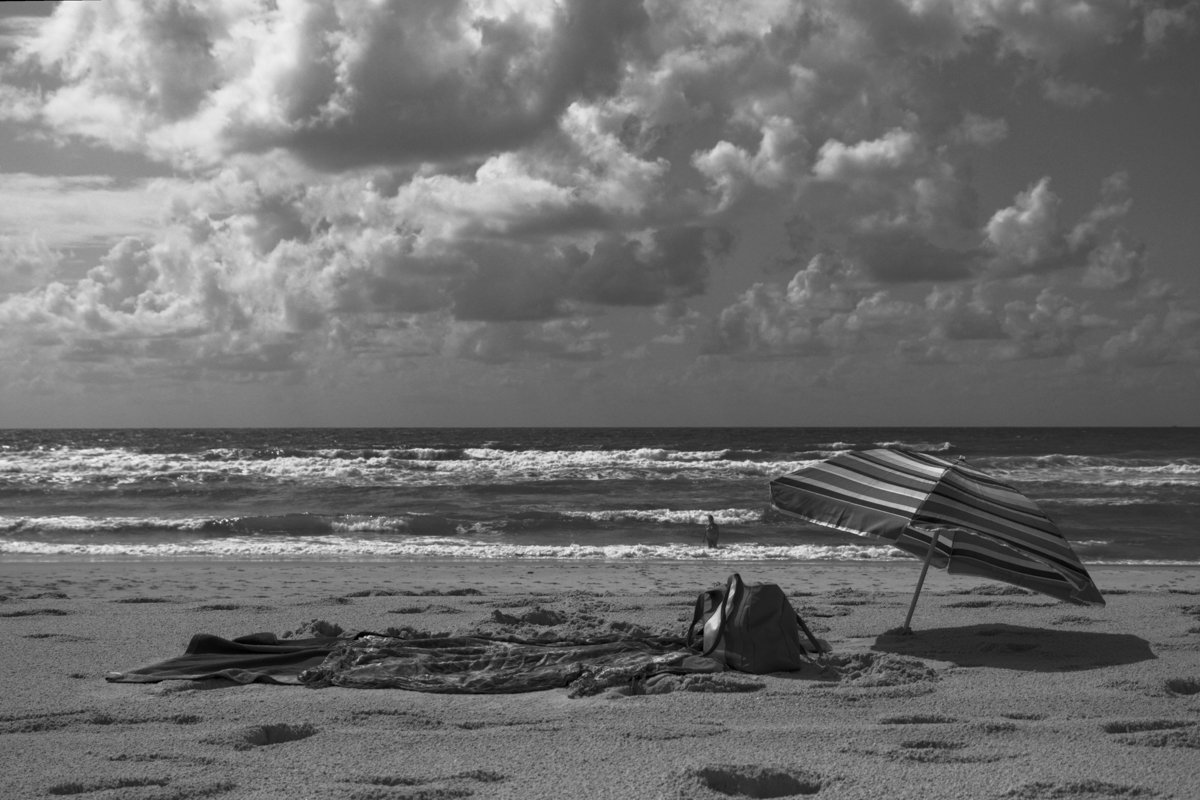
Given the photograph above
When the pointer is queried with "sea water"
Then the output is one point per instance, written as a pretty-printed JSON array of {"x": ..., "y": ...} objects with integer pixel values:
[{"x": 1120, "y": 495}]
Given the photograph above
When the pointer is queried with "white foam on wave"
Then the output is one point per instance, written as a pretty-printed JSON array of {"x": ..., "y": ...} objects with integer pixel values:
[
  {"x": 73, "y": 524},
  {"x": 361, "y": 523},
  {"x": 345, "y": 547},
  {"x": 430, "y": 467},
  {"x": 337, "y": 547},
  {"x": 919, "y": 447},
  {"x": 725, "y": 516},
  {"x": 1101, "y": 501}
]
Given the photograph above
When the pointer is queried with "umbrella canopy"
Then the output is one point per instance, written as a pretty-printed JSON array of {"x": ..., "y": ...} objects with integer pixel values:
[{"x": 981, "y": 526}]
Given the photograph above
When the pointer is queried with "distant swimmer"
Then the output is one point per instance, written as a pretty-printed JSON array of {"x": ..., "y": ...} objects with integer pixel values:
[{"x": 711, "y": 532}]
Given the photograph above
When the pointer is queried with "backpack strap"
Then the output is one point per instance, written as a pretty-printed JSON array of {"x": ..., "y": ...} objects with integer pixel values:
[
  {"x": 709, "y": 599},
  {"x": 808, "y": 633},
  {"x": 733, "y": 593}
]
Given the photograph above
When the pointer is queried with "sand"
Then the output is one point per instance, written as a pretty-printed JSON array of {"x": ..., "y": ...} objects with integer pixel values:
[{"x": 997, "y": 694}]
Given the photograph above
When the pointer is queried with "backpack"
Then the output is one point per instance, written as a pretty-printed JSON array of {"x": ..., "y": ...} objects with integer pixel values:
[{"x": 749, "y": 627}]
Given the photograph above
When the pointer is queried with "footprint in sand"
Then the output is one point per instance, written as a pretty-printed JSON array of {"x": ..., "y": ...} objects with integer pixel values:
[
  {"x": 36, "y": 612},
  {"x": 1078, "y": 790},
  {"x": 179, "y": 790},
  {"x": 745, "y": 780},
  {"x": 1183, "y": 686},
  {"x": 917, "y": 719},
  {"x": 435, "y": 788},
  {"x": 61, "y": 637},
  {"x": 74, "y": 787},
  {"x": 397, "y": 719},
  {"x": 666, "y": 733},
  {"x": 263, "y": 736},
  {"x": 141, "y": 758},
  {"x": 37, "y": 723},
  {"x": 1156, "y": 733}
]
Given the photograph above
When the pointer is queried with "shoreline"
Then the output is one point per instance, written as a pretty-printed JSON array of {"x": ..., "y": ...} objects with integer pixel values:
[{"x": 635, "y": 575}]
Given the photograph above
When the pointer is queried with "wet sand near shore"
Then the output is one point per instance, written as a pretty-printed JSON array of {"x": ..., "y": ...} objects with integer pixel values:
[{"x": 998, "y": 694}]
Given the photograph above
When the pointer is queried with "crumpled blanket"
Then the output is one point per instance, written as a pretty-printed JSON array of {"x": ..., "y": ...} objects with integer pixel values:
[
  {"x": 462, "y": 664},
  {"x": 503, "y": 664}
]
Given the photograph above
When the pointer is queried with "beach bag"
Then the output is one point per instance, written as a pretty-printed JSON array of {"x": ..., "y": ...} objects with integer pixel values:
[{"x": 750, "y": 628}]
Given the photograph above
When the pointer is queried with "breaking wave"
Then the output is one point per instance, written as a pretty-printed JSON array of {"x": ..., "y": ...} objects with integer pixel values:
[{"x": 348, "y": 547}]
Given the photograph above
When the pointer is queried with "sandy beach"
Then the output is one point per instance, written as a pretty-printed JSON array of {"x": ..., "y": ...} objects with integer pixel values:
[{"x": 998, "y": 694}]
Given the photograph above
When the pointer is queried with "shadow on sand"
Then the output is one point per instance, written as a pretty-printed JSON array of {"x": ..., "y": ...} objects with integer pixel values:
[{"x": 1018, "y": 647}]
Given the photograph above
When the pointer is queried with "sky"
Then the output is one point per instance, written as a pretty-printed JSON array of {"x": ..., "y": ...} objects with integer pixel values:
[{"x": 599, "y": 212}]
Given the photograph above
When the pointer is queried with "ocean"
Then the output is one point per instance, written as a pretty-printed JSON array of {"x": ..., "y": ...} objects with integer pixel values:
[{"x": 1120, "y": 495}]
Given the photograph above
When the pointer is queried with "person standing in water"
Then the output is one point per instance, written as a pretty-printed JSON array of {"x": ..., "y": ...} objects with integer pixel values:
[{"x": 711, "y": 532}]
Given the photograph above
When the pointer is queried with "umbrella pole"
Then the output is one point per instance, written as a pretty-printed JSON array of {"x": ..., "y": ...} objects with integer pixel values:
[{"x": 920, "y": 582}]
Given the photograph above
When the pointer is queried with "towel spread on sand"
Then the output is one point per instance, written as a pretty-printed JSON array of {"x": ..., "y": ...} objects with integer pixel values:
[
  {"x": 259, "y": 657},
  {"x": 459, "y": 664}
]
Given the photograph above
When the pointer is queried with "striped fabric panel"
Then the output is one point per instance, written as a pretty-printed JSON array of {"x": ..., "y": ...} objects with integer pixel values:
[
  {"x": 955, "y": 511},
  {"x": 967, "y": 498},
  {"x": 981, "y": 485},
  {"x": 956, "y": 491},
  {"x": 883, "y": 485},
  {"x": 1062, "y": 556},
  {"x": 1063, "y": 561},
  {"x": 998, "y": 510},
  {"x": 962, "y": 552},
  {"x": 837, "y": 485},
  {"x": 996, "y": 493},
  {"x": 863, "y": 483},
  {"x": 1006, "y": 559}
]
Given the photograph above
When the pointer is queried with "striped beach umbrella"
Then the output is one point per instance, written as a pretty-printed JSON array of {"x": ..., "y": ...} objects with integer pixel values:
[{"x": 947, "y": 513}]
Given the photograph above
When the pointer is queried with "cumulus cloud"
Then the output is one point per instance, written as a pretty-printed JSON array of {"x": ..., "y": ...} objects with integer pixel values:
[
  {"x": 1161, "y": 23},
  {"x": 25, "y": 262},
  {"x": 338, "y": 83},
  {"x": 827, "y": 305},
  {"x": 1167, "y": 336},
  {"x": 730, "y": 168},
  {"x": 1027, "y": 234},
  {"x": 1048, "y": 326},
  {"x": 483, "y": 180},
  {"x": 1030, "y": 237}
]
